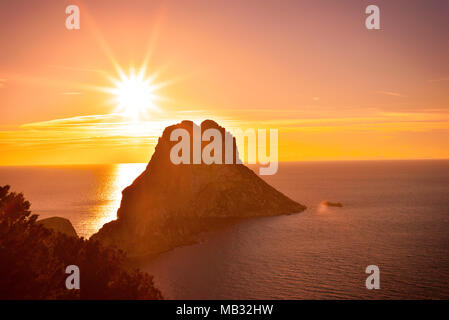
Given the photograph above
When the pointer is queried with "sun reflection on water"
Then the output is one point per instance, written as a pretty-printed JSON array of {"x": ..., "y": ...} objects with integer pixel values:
[{"x": 110, "y": 193}]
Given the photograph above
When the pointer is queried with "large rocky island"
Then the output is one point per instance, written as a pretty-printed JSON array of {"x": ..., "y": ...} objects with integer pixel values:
[{"x": 169, "y": 205}]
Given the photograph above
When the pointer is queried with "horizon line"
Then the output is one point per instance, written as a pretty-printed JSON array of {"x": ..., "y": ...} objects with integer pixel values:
[{"x": 246, "y": 164}]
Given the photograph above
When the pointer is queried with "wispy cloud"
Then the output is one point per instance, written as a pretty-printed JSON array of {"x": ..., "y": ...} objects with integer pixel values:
[
  {"x": 391, "y": 93},
  {"x": 103, "y": 125},
  {"x": 439, "y": 80},
  {"x": 380, "y": 122},
  {"x": 78, "y": 69},
  {"x": 106, "y": 138},
  {"x": 69, "y": 93}
]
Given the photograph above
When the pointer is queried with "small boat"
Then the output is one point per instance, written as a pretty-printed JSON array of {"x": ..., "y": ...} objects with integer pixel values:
[{"x": 332, "y": 204}]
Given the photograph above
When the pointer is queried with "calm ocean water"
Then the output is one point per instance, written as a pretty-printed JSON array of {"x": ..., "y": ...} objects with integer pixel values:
[
  {"x": 88, "y": 196},
  {"x": 395, "y": 216}
]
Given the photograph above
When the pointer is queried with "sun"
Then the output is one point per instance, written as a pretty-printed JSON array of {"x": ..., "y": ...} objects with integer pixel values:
[{"x": 134, "y": 94}]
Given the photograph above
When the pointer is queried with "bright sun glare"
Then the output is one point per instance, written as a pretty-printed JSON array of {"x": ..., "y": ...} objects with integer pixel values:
[{"x": 134, "y": 94}]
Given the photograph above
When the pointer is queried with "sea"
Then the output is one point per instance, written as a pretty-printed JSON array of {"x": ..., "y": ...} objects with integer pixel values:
[{"x": 395, "y": 216}]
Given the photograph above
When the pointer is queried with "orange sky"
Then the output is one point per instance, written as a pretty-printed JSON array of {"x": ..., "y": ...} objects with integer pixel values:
[{"x": 334, "y": 90}]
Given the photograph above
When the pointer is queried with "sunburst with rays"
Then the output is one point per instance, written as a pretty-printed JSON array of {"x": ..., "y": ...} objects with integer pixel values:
[{"x": 135, "y": 93}]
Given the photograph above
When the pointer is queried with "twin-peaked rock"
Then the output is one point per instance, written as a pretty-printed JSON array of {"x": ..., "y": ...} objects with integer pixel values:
[{"x": 168, "y": 204}]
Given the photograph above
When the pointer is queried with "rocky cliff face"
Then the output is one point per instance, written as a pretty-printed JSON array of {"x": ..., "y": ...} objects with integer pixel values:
[{"x": 168, "y": 204}]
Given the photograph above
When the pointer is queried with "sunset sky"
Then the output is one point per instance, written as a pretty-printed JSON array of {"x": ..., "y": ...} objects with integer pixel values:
[{"x": 333, "y": 89}]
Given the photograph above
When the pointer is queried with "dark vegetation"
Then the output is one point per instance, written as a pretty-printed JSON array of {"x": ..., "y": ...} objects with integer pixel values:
[{"x": 33, "y": 261}]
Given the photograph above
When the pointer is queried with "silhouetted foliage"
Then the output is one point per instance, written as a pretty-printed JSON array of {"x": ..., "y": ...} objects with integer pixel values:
[{"x": 33, "y": 261}]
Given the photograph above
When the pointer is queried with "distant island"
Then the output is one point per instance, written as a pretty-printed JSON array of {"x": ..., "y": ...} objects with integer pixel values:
[{"x": 168, "y": 205}]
